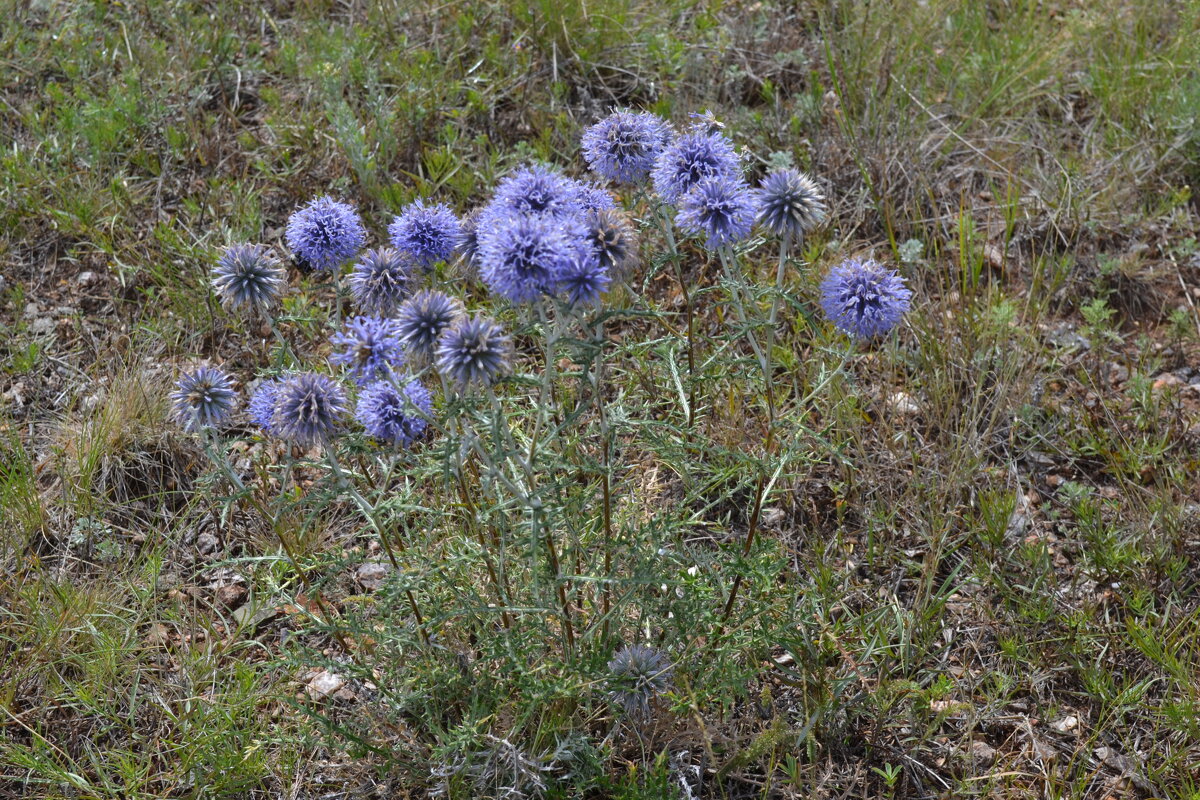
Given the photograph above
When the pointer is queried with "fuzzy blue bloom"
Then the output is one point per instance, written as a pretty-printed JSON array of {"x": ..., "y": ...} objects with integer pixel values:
[
  {"x": 722, "y": 208},
  {"x": 394, "y": 414},
  {"x": 474, "y": 351},
  {"x": 371, "y": 348},
  {"x": 381, "y": 280},
  {"x": 325, "y": 234},
  {"x": 623, "y": 146},
  {"x": 522, "y": 258},
  {"x": 789, "y": 203},
  {"x": 249, "y": 275},
  {"x": 309, "y": 409},
  {"x": 613, "y": 240},
  {"x": 427, "y": 232},
  {"x": 583, "y": 280},
  {"x": 690, "y": 159},
  {"x": 534, "y": 190},
  {"x": 595, "y": 198},
  {"x": 203, "y": 399},
  {"x": 262, "y": 405},
  {"x": 423, "y": 318},
  {"x": 863, "y": 298},
  {"x": 638, "y": 675}
]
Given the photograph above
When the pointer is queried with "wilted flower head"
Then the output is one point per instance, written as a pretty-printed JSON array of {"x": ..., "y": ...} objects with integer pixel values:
[
  {"x": 380, "y": 280},
  {"x": 203, "y": 399},
  {"x": 722, "y": 208},
  {"x": 690, "y": 159},
  {"x": 613, "y": 240},
  {"x": 583, "y": 280},
  {"x": 522, "y": 258},
  {"x": 371, "y": 348},
  {"x": 789, "y": 203},
  {"x": 424, "y": 317},
  {"x": 468, "y": 238},
  {"x": 864, "y": 298},
  {"x": 393, "y": 414},
  {"x": 248, "y": 275},
  {"x": 534, "y": 190},
  {"x": 474, "y": 351},
  {"x": 309, "y": 408},
  {"x": 325, "y": 234},
  {"x": 428, "y": 233},
  {"x": 639, "y": 674},
  {"x": 261, "y": 408},
  {"x": 623, "y": 146}
]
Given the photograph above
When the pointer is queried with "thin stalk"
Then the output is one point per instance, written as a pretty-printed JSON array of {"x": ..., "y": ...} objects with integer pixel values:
[
  {"x": 606, "y": 467},
  {"x": 673, "y": 250}
]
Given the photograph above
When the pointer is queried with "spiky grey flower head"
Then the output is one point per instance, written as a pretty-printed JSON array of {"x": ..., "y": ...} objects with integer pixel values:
[
  {"x": 325, "y": 233},
  {"x": 790, "y": 203},
  {"x": 249, "y": 275},
  {"x": 203, "y": 399},
  {"x": 424, "y": 317},
  {"x": 864, "y": 298},
  {"x": 638, "y": 674},
  {"x": 309, "y": 409},
  {"x": 614, "y": 241},
  {"x": 475, "y": 351},
  {"x": 381, "y": 280},
  {"x": 468, "y": 239}
]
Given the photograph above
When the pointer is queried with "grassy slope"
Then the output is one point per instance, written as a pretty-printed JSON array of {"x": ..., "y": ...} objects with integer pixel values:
[{"x": 990, "y": 568}]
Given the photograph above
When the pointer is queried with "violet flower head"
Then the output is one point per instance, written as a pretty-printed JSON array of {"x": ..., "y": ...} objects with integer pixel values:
[
  {"x": 722, "y": 208},
  {"x": 690, "y": 159},
  {"x": 476, "y": 351},
  {"x": 262, "y": 405},
  {"x": 249, "y": 275},
  {"x": 864, "y": 298},
  {"x": 371, "y": 349},
  {"x": 583, "y": 280},
  {"x": 426, "y": 232},
  {"x": 423, "y": 318},
  {"x": 534, "y": 190},
  {"x": 381, "y": 280},
  {"x": 623, "y": 146},
  {"x": 203, "y": 398},
  {"x": 790, "y": 204},
  {"x": 595, "y": 198},
  {"x": 325, "y": 234},
  {"x": 396, "y": 415},
  {"x": 638, "y": 675},
  {"x": 309, "y": 409},
  {"x": 522, "y": 258}
]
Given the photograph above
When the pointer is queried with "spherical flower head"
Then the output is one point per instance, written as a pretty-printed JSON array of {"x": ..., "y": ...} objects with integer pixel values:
[
  {"x": 623, "y": 146},
  {"x": 638, "y": 674},
  {"x": 522, "y": 258},
  {"x": 325, "y": 234},
  {"x": 790, "y": 204},
  {"x": 476, "y": 351},
  {"x": 396, "y": 415},
  {"x": 309, "y": 409},
  {"x": 203, "y": 399},
  {"x": 423, "y": 319},
  {"x": 595, "y": 198},
  {"x": 371, "y": 348},
  {"x": 583, "y": 280},
  {"x": 468, "y": 238},
  {"x": 864, "y": 298},
  {"x": 249, "y": 275},
  {"x": 613, "y": 240},
  {"x": 690, "y": 159},
  {"x": 427, "y": 233},
  {"x": 534, "y": 190},
  {"x": 722, "y": 208},
  {"x": 380, "y": 280},
  {"x": 262, "y": 405}
]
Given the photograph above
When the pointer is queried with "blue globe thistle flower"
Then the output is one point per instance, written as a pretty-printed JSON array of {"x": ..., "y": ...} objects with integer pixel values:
[
  {"x": 309, "y": 409},
  {"x": 638, "y": 674},
  {"x": 623, "y": 146},
  {"x": 690, "y": 159},
  {"x": 380, "y": 280},
  {"x": 522, "y": 258},
  {"x": 262, "y": 405},
  {"x": 428, "y": 233},
  {"x": 789, "y": 203},
  {"x": 723, "y": 208},
  {"x": 423, "y": 318},
  {"x": 595, "y": 198},
  {"x": 583, "y": 280},
  {"x": 613, "y": 240},
  {"x": 863, "y": 298},
  {"x": 393, "y": 414},
  {"x": 474, "y": 351},
  {"x": 249, "y": 275},
  {"x": 372, "y": 349},
  {"x": 534, "y": 190},
  {"x": 325, "y": 234},
  {"x": 203, "y": 399}
]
